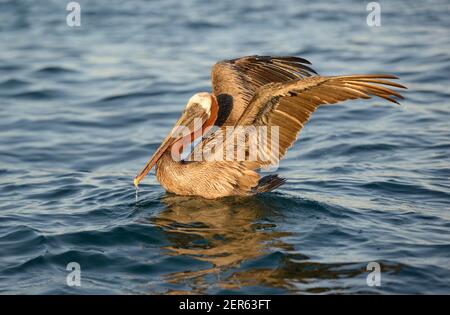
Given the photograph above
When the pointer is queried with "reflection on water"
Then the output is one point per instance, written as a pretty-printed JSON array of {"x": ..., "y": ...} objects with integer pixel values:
[
  {"x": 223, "y": 233},
  {"x": 234, "y": 231}
]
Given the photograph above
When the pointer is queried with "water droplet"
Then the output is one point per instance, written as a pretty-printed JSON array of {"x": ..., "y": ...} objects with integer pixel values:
[{"x": 137, "y": 193}]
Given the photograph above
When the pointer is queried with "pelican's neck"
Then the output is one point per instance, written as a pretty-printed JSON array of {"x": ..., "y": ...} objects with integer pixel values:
[{"x": 165, "y": 163}]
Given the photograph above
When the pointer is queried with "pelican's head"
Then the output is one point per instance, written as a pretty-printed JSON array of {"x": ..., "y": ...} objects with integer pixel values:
[
  {"x": 201, "y": 102},
  {"x": 200, "y": 113}
]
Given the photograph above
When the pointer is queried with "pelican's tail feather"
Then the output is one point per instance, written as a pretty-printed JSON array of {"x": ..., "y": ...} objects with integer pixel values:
[{"x": 269, "y": 183}]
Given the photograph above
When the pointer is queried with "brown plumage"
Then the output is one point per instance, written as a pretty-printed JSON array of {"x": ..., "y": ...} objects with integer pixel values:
[
  {"x": 235, "y": 82},
  {"x": 253, "y": 91}
]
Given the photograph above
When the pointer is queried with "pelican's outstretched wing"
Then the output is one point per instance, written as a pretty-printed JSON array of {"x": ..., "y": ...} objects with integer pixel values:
[
  {"x": 289, "y": 106},
  {"x": 234, "y": 82}
]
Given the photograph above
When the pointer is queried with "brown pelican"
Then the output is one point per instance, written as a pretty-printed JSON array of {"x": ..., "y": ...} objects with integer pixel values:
[{"x": 260, "y": 91}]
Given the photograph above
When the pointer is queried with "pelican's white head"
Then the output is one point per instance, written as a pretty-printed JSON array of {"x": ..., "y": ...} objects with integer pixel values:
[{"x": 204, "y": 100}]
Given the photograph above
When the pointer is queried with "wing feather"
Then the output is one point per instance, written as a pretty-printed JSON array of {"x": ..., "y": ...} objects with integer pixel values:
[
  {"x": 282, "y": 92},
  {"x": 290, "y": 105},
  {"x": 236, "y": 81}
]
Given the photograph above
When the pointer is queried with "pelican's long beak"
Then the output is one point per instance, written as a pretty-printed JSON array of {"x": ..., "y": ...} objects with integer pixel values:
[
  {"x": 171, "y": 138},
  {"x": 159, "y": 152}
]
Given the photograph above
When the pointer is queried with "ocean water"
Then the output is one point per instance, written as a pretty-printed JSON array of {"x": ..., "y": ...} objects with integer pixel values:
[{"x": 82, "y": 109}]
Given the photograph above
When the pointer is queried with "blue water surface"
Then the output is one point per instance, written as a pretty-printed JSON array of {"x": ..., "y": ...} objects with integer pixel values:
[{"x": 82, "y": 109}]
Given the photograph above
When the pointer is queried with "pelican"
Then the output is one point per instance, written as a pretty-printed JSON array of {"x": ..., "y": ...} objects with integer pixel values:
[{"x": 261, "y": 91}]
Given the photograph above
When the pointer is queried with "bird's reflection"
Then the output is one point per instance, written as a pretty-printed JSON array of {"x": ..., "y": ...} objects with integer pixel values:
[
  {"x": 223, "y": 233},
  {"x": 242, "y": 243}
]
